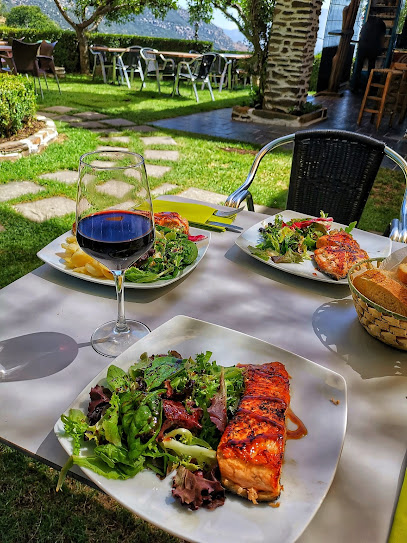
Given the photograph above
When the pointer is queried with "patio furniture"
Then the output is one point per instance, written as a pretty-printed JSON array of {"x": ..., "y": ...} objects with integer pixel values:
[
  {"x": 313, "y": 319},
  {"x": 112, "y": 63},
  {"x": 381, "y": 89},
  {"x": 25, "y": 60},
  {"x": 157, "y": 65},
  {"x": 46, "y": 61},
  {"x": 196, "y": 71},
  {"x": 131, "y": 60},
  {"x": 219, "y": 70},
  {"x": 333, "y": 171}
]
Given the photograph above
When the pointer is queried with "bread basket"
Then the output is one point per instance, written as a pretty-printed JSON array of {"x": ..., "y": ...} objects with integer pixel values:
[{"x": 384, "y": 325}]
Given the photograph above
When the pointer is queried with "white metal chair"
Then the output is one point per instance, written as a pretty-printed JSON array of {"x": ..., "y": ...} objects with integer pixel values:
[
  {"x": 131, "y": 63},
  {"x": 157, "y": 65},
  {"x": 196, "y": 70}
]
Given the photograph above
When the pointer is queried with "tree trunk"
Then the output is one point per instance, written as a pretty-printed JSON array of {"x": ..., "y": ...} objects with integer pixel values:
[
  {"x": 83, "y": 49},
  {"x": 291, "y": 53}
]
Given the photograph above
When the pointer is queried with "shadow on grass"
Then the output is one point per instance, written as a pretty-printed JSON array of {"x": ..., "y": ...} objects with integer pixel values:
[{"x": 31, "y": 509}]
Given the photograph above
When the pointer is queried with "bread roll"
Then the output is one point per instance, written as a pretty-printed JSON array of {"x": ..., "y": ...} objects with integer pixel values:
[
  {"x": 383, "y": 288},
  {"x": 402, "y": 273}
]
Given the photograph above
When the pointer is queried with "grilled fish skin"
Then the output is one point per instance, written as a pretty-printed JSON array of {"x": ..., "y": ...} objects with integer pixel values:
[
  {"x": 251, "y": 450},
  {"x": 336, "y": 253}
]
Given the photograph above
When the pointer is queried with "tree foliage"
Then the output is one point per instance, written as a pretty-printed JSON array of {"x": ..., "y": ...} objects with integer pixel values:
[
  {"x": 86, "y": 15},
  {"x": 252, "y": 17},
  {"x": 29, "y": 17}
]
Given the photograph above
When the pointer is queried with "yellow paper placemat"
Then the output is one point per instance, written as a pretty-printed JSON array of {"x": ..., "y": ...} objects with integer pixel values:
[{"x": 399, "y": 529}]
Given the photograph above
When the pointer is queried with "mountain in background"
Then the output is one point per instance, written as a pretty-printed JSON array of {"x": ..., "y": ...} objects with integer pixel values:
[{"x": 175, "y": 25}]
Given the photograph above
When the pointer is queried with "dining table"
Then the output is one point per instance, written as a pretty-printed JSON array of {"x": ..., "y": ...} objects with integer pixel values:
[
  {"x": 115, "y": 52},
  {"x": 47, "y": 317}
]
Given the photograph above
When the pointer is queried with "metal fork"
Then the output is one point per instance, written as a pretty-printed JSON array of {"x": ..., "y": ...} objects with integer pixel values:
[{"x": 227, "y": 214}]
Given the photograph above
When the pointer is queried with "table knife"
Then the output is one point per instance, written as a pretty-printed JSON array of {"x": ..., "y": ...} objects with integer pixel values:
[{"x": 230, "y": 227}]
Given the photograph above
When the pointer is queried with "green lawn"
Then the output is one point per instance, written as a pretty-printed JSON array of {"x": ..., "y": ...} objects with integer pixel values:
[{"x": 30, "y": 510}]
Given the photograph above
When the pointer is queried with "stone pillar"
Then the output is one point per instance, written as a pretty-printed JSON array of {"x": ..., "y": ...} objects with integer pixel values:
[{"x": 291, "y": 53}]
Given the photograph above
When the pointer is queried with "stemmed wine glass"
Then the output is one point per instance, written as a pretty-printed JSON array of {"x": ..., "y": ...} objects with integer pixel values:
[{"x": 111, "y": 228}]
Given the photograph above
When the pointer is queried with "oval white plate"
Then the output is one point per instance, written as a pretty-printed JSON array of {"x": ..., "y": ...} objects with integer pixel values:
[
  {"x": 376, "y": 246},
  {"x": 49, "y": 255}
]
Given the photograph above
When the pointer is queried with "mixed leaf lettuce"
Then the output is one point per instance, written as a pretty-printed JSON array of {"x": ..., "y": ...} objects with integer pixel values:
[{"x": 166, "y": 412}]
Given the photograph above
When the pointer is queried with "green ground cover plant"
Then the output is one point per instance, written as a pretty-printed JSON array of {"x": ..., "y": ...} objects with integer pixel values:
[{"x": 30, "y": 510}]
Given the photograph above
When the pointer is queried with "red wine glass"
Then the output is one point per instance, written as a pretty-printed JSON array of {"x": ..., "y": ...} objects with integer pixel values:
[{"x": 112, "y": 229}]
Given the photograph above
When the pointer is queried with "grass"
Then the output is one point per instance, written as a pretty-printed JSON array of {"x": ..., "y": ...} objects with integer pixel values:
[{"x": 30, "y": 510}]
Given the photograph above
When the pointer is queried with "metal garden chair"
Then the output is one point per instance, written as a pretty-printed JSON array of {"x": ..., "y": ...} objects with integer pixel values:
[
  {"x": 196, "y": 71},
  {"x": 157, "y": 65},
  {"x": 333, "y": 171},
  {"x": 46, "y": 61}
]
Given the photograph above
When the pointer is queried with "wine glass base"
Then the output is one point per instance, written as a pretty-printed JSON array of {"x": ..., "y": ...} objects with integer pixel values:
[{"x": 106, "y": 341}]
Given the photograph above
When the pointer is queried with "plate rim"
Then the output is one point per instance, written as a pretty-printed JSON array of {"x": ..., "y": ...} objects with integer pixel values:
[
  {"x": 94, "y": 477},
  {"x": 127, "y": 284},
  {"x": 271, "y": 264}
]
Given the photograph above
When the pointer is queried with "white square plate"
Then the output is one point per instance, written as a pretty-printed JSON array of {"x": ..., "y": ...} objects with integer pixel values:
[
  {"x": 50, "y": 255},
  {"x": 309, "y": 466},
  {"x": 375, "y": 246}
]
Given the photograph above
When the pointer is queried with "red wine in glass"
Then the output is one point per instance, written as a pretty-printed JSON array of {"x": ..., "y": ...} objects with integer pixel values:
[{"x": 115, "y": 238}]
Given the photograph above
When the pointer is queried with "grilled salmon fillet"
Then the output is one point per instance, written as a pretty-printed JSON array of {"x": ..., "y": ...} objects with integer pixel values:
[
  {"x": 251, "y": 450},
  {"x": 336, "y": 253}
]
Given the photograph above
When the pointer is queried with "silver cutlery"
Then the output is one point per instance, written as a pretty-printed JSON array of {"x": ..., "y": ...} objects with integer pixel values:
[{"x": 227, "y": 214}]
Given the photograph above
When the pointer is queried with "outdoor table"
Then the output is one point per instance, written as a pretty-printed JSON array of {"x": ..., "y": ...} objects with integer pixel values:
[
  {"x": 313, "y": 319},
  {"x": 230, "y": 57},
  {"x": 4, "y": 48}
]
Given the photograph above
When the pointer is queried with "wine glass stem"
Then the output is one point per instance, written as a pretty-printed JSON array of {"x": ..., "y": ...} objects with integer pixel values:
[{"x": 121, "y": 325}]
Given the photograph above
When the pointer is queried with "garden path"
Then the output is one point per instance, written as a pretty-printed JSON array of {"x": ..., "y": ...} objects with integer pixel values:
[{"x": 110, "y": 133}]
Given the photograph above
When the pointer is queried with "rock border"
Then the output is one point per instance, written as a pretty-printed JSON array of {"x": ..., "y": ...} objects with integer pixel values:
[
  {"x": 37, "y": 142},
  {"x": 250, "y": 115}
]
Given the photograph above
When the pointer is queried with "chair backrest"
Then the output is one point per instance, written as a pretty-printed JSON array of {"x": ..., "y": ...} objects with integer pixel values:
[
  {"x": 132, "y": 56},
  {"x": 203, "y": 65},
  {"x": 25, "y": 56},
  {"x": 333, "y": 171},
  {"x": 102, "y": 55},
  {"x": 149, "y": 58},
  {"x": 47, "y": 48}
]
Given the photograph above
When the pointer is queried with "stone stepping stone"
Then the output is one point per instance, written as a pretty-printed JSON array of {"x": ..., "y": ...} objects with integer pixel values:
[
  {"x": 163, "y": 189},
  {"x": 128, "y": 204},
  {"x": 47, "y": 114},
  {"x": 67, "y": 119},
  {"x": 131, "y": 172},
  {"x": 153, "y": 154},
  {"x": 141, "y": 128},
  {"x": 118, "y": 122},
  {"x": 88, "y": 124},
  {"x": 68, "y": 177},
  {"x": 91, "y": 115},
  {"x": 103, "y": 164},
  {"x": 119, "y": 189},
  {"x": 104, "y": 130},
  {"x": 204, "y": 195},
  {"x": 43, "y": 210},
  {"x": 158, "y": 140},
  {"x": 18, "y": 188},
  {"x": 116, "y": 139},
  {"x": 103, "y": 148},
  {"x": 59, "y": 109},
  {"x": 156, "y": 171}
]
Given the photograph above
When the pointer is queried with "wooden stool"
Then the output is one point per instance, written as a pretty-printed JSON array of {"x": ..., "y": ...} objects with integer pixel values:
[{"x": 383, "y": 92}]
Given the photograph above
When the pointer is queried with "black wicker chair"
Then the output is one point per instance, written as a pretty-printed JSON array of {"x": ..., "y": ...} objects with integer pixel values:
[
  {"x": 25, "y": 60},
  {"x": 333, "y": 171},
  {"x": 46, "y": 63}
]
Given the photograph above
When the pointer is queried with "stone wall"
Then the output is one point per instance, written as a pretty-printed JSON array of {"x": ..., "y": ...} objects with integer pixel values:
[{"x": 291, "y": 53}]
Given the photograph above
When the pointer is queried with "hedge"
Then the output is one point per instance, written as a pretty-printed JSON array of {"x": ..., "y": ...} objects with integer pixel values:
[
  {"x": 66, "y": 52},
  {"x": 17, "y": 103}
]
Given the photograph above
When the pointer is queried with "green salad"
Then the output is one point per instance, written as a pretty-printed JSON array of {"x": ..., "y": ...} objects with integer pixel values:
[
  {"x": 172, "y": 252},
  {"x": 286, "y": 242},
  {"x": 165, "y": 412}
]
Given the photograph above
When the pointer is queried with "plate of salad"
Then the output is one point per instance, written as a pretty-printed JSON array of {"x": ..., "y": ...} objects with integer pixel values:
[
  {"x": 112, "y": 431},
  {"x": 286, "y": 241},
  {"x": 174, "y": 256}
]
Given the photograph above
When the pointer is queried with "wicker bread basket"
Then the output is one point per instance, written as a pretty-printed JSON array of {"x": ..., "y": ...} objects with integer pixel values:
[{"x": 384, "y": 325}]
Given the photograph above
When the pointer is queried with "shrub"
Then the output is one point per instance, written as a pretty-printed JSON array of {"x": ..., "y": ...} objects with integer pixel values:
[
  {"x": 17, "y": 103},
  {"x": 314, "y": 74},
  {"x": 66, "y": 52}
]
